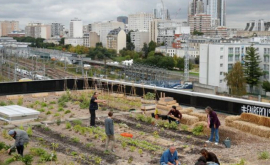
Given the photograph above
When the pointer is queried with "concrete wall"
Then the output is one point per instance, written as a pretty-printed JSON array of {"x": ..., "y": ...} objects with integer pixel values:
[{"x": 201, "y": 88}]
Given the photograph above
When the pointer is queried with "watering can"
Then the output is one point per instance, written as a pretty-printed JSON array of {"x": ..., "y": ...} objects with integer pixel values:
[{"x": 227, "y": 142}]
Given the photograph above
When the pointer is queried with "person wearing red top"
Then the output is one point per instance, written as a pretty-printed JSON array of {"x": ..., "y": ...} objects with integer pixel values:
[{"x": 174, "y": 112}]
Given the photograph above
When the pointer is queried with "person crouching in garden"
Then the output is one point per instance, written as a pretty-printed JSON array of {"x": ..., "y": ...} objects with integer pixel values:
[
  {"x": 169, "y": 157},
  {"x": 175, "y": 113},
  {"x": 109, "y": 129},
  {"x": 213, "y": 124},
  {"x": 21, "y": 138},
  {"x": 210, "y": 157}
]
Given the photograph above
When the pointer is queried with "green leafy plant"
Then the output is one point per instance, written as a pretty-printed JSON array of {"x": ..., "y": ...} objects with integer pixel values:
[
  {"x": 68, "y": 125},
  {"x": 37, "y": 151},
  {"x": 149, "y": 96},
  {"x": 27, "y": 159},
  {"x": 97, "y": 160},
  {"x": 75, "y": 139},
  {"x": 58, "y": 122},
  {"x": 29, "y": 131},
  {"x": 173, "y": 125},
  {"x": 184, "y": 127},
  {"x": 10, "y": 102},
  {"x": 73, "y": 153},
  {"x": 264, "y": 155},
  {"x": 198, "y": 130},
  {"x": 77, "y": 128},
  {"x": 140, "y": 151},
  {"x": 67, "y": 111},
  {"x": 60, "y": 109},
  {"x": 56, "y": 115},
  {"x": 138, "y": 125},
  {"x": 77, "y": 122},
  {"x": 48, "y": 113},
  {"x": 46, "y": 157},
  {"x": 21, "y": 127},
  {"x": 20, "y": 101},
  {"x": 41, "y": 110},
  {"x": 88, "y": 145},
  {"x": 2, "y": 103},
  {"x": 132, "y": 148},
  {"x": 242, "y": 162},
  {"x": 52, "y": 102},
  {"x": 43, "y": 104},
  {"x": 51, "y": 107},
  {"x": 124, "y": 144}
]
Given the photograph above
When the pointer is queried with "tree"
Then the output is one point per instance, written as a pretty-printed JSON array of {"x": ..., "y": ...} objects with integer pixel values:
[
  {"x": 145, "y": 50},
  {"x": 99, "y": 44},
  {"x": 180, "y": 63},
  {"x": 195, "y": 32},
  {"x": 130, "y": 45},
  {"x": 62, "y": 41},
  {"x": 266, "y": 86},
  {"x": 151, "y": 54},
  {"x": 252, "y": 70},
  {"x": 152, "y": 46},
  {"x": 236, "y": 80}
]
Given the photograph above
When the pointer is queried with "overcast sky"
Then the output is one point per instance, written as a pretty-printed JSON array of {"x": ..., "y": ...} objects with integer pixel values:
[{"x": 47, "y": 11}]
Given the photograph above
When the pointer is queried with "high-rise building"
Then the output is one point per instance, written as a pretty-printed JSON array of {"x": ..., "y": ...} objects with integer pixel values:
[
  {"x": 38, "y": 30},
  {"x": 116, "y": 39},
  {"x": 57, "y": 29},
  {"x": 199, "y": 22},
  {"x": 7, "y": 27},
  {"x": 217, "y": 10},
  {"x": 76, "y": 28},
  {"x": 123, "y": 19},
  {"x": 196, "y": 7},
  {"x": 103, "y": 29},
  {"x": 161, "y": 12},
  {"x": 140, "y": 21}
]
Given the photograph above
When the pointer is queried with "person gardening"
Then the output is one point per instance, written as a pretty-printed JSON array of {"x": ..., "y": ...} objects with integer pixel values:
[
  {"x": 93, "y": 107},
  {"x": 210, "y": 157},
  {"x": 176, "y": 114},
  {"x": 21, "y": 138},
  {"x": 169, "y": 157},
  {"x": 213, "y": 124},
  {"x": 109, "y": 130}
]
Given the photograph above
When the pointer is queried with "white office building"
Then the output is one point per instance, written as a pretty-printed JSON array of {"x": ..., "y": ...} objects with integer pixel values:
[
  {"x": 138, "y": 39},
  {"x": 140, "y": 21},
  {"x": 171, "y": 51},
  {"x": 76, "y": 28},
  {"x": 217, "y": 59},
  {"x": 103, "y": 29}
]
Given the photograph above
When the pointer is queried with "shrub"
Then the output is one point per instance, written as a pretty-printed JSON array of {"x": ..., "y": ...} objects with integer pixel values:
[
  {"x": 197, "y": 130},
  {"x": 242, "y": 162},
  {"x": 88, "y": 145},
  {"x": 48, "y": 157},
  {"x": 10, "y": 102},
  {"x": 56, "y": 115},
  {"x": 138, "y": 125},
  {"x": 21, "y": 127},
  {"x": 51, "y": 107},
  {"x": 173, "y": 125},
  {"x": 132, "y": 148},
  {"x": 184, "y": 127},
  {"x": 67, "y": 111},
  {"x": 68, "y": 125},
  {"x": 73, "y": 153},
  {"x": 149, "y": 96},
  {"x": 37, "y": 151},
  {"x": 58, "y": 122},
  {"x": 264, "y": 155},
  {"x": 20, "y": 101},
  {"x": 140, "y": 151},
  {"x": 77, "y": 128},
  {"x": 84, "y": 104},
  {"x": 62, "y": 104},
  {"x": 2, "y": 103},
  {"x": 48, "y": 113}
]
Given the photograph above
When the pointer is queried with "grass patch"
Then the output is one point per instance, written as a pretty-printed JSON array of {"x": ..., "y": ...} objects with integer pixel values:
[{"x": 264, "y": 155}]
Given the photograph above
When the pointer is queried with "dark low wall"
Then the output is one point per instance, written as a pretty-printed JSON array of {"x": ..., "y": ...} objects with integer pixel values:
[{"x": 198, "y": 100}]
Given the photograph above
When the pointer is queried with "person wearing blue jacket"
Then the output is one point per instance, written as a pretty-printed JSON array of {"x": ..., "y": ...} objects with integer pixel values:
[{"x": 169, "y": 157}]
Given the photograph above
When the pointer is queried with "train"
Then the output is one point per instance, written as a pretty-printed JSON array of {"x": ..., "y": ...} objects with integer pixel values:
[{"x": 29, "y": 74}]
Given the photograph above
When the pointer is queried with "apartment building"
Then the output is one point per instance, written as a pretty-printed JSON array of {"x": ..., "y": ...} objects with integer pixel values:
[
  {"x": 140, "y": 21},
  {"x": 90, "y": 39},
  {"x": 199, "y": 22},
  {"x": 217, "y": 59},
  {"x": 138, "y": 39},
  {"x": 57, "y": 29},
  {"x": 74, "y": 41},
  {"x": 7, "y": 27},
  {"x": 103, "y": 29},
  {"x": 38, "y": 30},
  {"x": 116, "y": 39}
]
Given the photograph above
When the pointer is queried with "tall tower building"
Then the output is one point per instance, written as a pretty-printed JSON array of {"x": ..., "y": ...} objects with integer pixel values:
[
  {"x": 8, "y": 26},
  {"x": 57, "y": 29},
  {"x": 140, "y": 21},
  {"x": 161, "y": 12},
  {"x": 217, "y": 10},
  {"x": 76, "y": 28},
  {"x": 196, "y": 7}
]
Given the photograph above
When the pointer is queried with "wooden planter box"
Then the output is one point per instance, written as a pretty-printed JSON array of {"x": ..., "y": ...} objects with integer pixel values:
[
  {"x": 118, "y": 95},
  {"x": 148, "y": 107},
  {"x": 133, "y": 98},
  {"x": 148, "y": 101}
]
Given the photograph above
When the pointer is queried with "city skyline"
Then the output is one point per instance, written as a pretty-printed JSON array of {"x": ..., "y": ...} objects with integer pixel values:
[{"x": 238, "y": 12}]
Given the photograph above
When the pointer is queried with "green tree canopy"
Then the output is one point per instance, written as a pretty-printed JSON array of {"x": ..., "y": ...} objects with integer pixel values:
[
  {"x": 252, "y": 70},
  {"x": 195, "y": 32},
  {"x": 236, "y": 80},
  {"x": 266, "y": 86}
]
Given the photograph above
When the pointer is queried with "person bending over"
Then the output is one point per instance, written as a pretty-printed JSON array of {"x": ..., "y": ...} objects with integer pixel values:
[
  {"x": 175, "y": 113},
  {"x": 21, "y": 138},
  {"x": 210, "y": 157}
]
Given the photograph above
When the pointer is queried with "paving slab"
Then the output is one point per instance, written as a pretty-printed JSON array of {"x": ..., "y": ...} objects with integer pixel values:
[
  {"x": 83, "y": 118},
  {"x": 35, "y": 123},
  {"x": 47, "y": 122}
]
